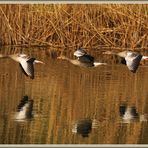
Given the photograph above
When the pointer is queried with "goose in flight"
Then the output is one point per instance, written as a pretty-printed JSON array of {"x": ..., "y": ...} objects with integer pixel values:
[
  {"x": 83, "y": 59},
  {"x": 129, "y": 58},
  {"x": 24, "y": 109},
  {"x": 26, "y": 63}
]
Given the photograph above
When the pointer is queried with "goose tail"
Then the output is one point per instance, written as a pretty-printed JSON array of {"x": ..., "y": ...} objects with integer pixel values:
[{"x": 98, "y": 64}]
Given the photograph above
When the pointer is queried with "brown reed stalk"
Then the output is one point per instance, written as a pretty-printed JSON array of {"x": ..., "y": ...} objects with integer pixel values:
[{"x": 72, "y": 25}]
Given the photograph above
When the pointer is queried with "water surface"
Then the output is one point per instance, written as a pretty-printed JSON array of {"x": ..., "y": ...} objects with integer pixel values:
[{"x": 64, "y": 94}]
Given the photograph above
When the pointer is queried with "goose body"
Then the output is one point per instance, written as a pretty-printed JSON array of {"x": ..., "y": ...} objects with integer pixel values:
[
  {"x": 129, "y": 58},
  {"x": 83, "y": 59},
  {"x": 24, "y": 109},
  {"x": 26, "y": 63}
]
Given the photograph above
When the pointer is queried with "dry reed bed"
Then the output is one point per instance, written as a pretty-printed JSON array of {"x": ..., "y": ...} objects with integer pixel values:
[{"x": 73, "y": 25}]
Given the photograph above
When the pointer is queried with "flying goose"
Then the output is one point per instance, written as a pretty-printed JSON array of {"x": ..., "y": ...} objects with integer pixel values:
[
  {"x": 26, "y": 63},
  {"x": 83, "y": 59},
  {"x": 24, "y": 109},
  {"x": 129, "y": 58}
]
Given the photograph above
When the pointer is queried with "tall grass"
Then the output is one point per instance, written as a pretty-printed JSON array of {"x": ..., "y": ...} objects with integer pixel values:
[{"x": 72, "y": 25}]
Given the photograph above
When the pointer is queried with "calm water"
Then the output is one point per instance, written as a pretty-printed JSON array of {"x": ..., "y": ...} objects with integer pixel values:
[{"x": 65, "y": 95}]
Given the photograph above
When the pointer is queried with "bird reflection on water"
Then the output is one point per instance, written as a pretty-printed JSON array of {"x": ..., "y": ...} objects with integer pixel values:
[
  {"x": 129, "y": 114},
  {"x": 84, "y": 127},
  {"x": 24, "y": 109}
]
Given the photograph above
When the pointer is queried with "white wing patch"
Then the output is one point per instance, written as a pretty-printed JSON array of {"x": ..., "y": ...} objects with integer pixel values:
[
  {"x": 79, "y": 52},
  {"x": 26, "y": 68}
]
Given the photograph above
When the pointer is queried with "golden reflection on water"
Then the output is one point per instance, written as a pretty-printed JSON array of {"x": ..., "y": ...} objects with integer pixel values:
[{"x": 63, "y": 94}]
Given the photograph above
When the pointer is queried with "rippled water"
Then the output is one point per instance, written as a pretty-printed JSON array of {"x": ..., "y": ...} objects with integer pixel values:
[{"x": 66, "y": 96}]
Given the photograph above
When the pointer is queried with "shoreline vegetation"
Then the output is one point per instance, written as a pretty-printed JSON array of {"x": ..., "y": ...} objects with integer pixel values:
[{"x": 68, "y": 26}]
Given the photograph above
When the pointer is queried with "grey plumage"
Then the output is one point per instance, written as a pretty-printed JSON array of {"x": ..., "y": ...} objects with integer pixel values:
[{"x": 133, "y": 61}]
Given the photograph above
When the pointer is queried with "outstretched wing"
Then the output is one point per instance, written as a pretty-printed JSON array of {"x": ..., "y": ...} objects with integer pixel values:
[
  {"x": 133, "y": 61},
  {"x": 80, "y": 52},
  {"x": 27, "y": 67}
]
